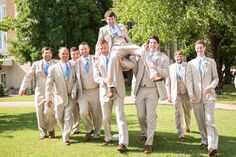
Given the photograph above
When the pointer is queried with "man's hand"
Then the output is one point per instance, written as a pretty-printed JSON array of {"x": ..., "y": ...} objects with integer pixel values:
[
  {"x": 192, "y": 99},
  {"x": 169, "y": 99},
  {"x": 207, "y": 90},
  {"x": 21, "y": 92},
  {"x": 73, "y": 95},
  {"x": 107, "y": 80},
  {"x": 155, "y": 77},
  {"x": 49, "y": 104}
]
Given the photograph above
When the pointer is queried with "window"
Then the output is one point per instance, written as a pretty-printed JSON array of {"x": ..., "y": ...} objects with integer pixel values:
[
  {"x": 3, "y": 35},
  {"x": 3, "y": 79}
]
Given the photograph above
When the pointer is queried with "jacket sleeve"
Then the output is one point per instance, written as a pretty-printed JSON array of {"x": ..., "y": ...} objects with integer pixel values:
[{"x": 28, "y": 77}]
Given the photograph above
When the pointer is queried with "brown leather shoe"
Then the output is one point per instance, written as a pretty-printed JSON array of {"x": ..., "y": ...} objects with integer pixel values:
[
  {"x": 202, "y": 146},
  {"x": 212, "y": 152},
  {"x": 51, "y": 134},
  {"x": 121, "y": 148},
  {"x": 148, "y": 149},
  {"x": 106, "y": 142},
  {"x": 187, "y": 130},
  {"x": 88, "y": 136},
  {"x": 67, "y": 143},
  {"x": 181, "y": 139}
]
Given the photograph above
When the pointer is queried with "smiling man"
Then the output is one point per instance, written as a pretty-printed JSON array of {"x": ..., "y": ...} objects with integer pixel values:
[{"x": 201, "y": 80}]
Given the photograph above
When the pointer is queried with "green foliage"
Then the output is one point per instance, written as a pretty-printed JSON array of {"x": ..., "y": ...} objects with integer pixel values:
[
  {"x": 55, "y": 23},
  {"x": 184, "y": 22},
  {"x": 7, "y": 23}
]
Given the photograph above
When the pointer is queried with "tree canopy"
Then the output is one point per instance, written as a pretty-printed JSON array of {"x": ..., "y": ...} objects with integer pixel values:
[
  {"x": 184, "y": 22},
  {"x": 55, "y": 23}
]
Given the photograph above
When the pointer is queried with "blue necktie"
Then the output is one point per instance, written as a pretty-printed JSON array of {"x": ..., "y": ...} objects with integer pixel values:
[
  {"x": 67, "y": 72},
  {"x": 107, "y": 61},
  {"x": 46, "y": 68},
  {"x": 114, "y": 30},
  {"x": 180, "y": 72},
  {"x": 200, "y": 66},
  {"x": 87, "y": 65},
  {"x": 151, "y": 55}
]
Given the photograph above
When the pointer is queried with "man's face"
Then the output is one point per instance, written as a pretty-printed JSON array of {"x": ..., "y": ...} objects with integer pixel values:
[
  {"x": 47, "y": 55},
  {"x": 103, "y": 49},
  {"x": 84, "y": 50},
  {"x": 111, "y": 21},
  {"x": 153, "y": 45},
  {"x": 64, "y": 55},
  {"x": 200, "y": 49},
  {"x": 74, "y": 55},
  {"x": 179, "y": 57}
]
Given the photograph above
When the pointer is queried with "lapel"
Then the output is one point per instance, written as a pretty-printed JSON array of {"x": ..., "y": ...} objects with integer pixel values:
[
  {"x": 204, "y": 66},
  {"x": 108, "y": 29},
  {"x": 40, "y": 69},
  {"x": 184, "y": 71},
  {"x": 101, "y": 66},
  {"x": 195, "y": 63}
]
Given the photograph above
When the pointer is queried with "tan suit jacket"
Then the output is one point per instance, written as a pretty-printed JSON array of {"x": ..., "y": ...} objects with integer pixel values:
[
  {"x": 196, "y": 83},
  {"x": 36, "y": 71},
  {"x": 100, "y": 73},
  {"x": 56, "y": 76},
  {"x": 162, "y": 69},
  {"x": 171, "y": 81},
  {"x": 106, "y": 34}
]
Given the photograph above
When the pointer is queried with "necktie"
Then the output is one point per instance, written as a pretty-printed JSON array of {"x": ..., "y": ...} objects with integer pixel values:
[
  {"x": 87, "y": 65},
  {"x": 200, "y": 66},
  {"x": 107, "y": 61},
  {"x": 114, "y": 30},
  {"x": 46, "y": 68},
  {"x": 180, "y": 73},
  {"x": 151, "y": 56},
  {"x": 67, "y": 72}
]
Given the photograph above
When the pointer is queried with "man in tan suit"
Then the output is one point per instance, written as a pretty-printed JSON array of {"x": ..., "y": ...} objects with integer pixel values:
[
  {"x": 119, "y": 44},
  {"x": 39, "y": 70},
  {"x": 74, "y": 54},
  {"x": 177, "y": 94},
  {"x": 88, "y": 98},
  {"x": 146, "y": 93},
  {"x": 201, "y": 80},
  {"x": 62, "y": 77},
  {"x": 100, "y": 76}
]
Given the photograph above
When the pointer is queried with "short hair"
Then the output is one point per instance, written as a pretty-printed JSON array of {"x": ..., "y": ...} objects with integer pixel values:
[
  {"x": 61, "y": 48},
  {"x": 179, "y": 51},
  {"x": 103, "y": 42},
  {"x": 73, "y": 49},
  {"x": 201, "y": 42},
  {"x": 46, "y": 48},
  {"x": 84, "y": 43},
  {"x": 110, "y": 13},
  {"x": 155, "y": 38}
]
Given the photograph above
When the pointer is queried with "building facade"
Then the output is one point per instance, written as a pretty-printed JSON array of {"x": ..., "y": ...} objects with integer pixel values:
[{"x": 11, "y": 72}]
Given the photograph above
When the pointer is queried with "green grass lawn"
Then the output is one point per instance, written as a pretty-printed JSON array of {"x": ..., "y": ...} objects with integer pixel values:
[
  {"x": 228, "y": 95},
  {"x": 17, "y": 98},
  {"x": 19, "y": 137}
]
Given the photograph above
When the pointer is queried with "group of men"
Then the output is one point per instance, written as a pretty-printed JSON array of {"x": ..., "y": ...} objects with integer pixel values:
[{"x": 88, "y": 87}]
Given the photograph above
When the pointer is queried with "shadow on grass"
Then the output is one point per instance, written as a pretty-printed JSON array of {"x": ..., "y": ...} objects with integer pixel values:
[{"x": 17, "y": 122}]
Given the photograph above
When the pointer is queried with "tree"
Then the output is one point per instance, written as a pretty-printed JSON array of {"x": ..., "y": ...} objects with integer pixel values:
[
  {"x": 54, "y": 23},
  {"x": 184, "y": 22}
]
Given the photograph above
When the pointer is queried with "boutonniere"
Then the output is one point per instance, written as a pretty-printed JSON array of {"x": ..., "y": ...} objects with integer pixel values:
[
  {"x": 122, "y": 28},
  {"x": 206, "y": 62}
]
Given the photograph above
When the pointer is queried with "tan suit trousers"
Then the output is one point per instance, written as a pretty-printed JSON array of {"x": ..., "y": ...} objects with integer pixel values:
[
  {"x": 90, "y": 110},
  {"x": 75, "y": 116},
  {"x": 64, "y": 119},
  {"x": 204, "y": 114},
  {"x": 182, "y": 113},
  {"x": 118, "y": 103},
  {"x": 146, "y": 104},
  {"x": 45, "y": 118}
]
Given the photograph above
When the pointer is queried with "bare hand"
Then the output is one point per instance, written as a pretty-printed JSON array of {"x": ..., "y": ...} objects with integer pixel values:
[
  {"x": 207, "y": 90},
  {"x": 73, "y": 95},
  {"x": 107, "y": 80},
  {"x": 21, "y": 92},
  {"x": 192, "y": 99},
  {"x": 49, "y": 104},
  {"x": 155, "y": 78},
  {"x": 169, "y": 99}
]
